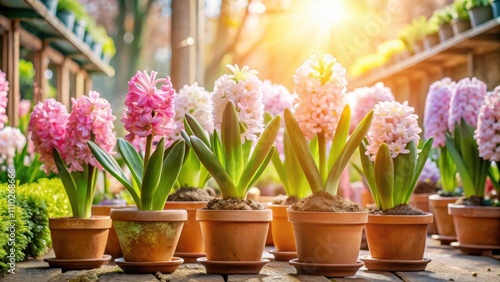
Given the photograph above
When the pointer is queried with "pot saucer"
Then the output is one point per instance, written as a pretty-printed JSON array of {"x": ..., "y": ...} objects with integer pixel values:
[
  {"x": 76, "y": 264},
  {"x": 232, "y": 267},
  {"x": 283, "y": 256},
  {"x": 329, "y": 270},
  {"x": 394, "y": 265},
  {"x": 484, "y": 250},
  {"x": 445, "y": 240},
  {"x": 189, "y": 257},
  {"x": 149, "y": 267}
]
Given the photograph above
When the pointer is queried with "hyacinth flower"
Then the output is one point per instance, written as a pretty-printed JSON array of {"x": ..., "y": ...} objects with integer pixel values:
[
  {"x": 61, "y": 140},
  {"x": 466, "y": 101},
  {"x": 239, "y": 154},
  {"x": 362, "y": 100},
  {"x": 487, "y": 135},
  {"x": 149, "y": 114},
  {"x": 436, "y": 113},
  {"x": 321, "y": 115},
  {"x": 4, "y": 89},
  {"x": 389, "y": 156},
  {"x": 196, "y": 101}
]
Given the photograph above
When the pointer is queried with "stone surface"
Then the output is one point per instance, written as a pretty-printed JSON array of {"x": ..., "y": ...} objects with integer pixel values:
[
  {"x": 437, "y": 271},
  {"x": 109, "y": 277}
]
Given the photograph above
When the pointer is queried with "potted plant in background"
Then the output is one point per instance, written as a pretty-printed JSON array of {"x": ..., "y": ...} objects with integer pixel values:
[
  {"x": 431, "y": 33},
  {"x": 66, "y": 12},
  {"x": 460, "y": 21},
  {"x": 472, "y": 120},
  {"x": 327, "y": 228},
  {"x": 81, "y": 18},
  {"x": 437, "y": 106},
  {"x": 108, "y": 49},
  {"x": 443, "y": 18},
  {"x": 60, "y": 139},
  {"x": 148, "y": 234},
  {"x": 234, "y": 228},
  {"x": 396, "y": 232},
  {"x": 479, "y": 11},
  {"x": 192, "y": 192},
  {"x": 51, "y": 5},
  {"x": 495, "y": 6}
]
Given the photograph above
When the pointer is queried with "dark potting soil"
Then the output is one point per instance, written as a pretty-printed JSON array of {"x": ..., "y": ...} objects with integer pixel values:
[
  {"x": 474, "y": 201},
  {"x": 397, "y": 210},
  {"x": 192, "y": 194},
  {"x": 285, "y": 200},
  {"x": 423, "y": 187},
  {"x": 234, "y": 204},
  {"x": 323, "y": 201}
]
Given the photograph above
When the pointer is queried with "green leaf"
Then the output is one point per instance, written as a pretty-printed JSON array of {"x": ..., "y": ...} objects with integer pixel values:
[
  {"x": 197, "y": 129},
  {"x": 261, "y": 169},
  {"x": 217, "y": 148},
  {"x": 68, "y": 182},
  {"x": 384, "y": 176},
  {"x": 152, "y": 175},
  {"x": 171, "y": 168},
  {"x": 303, "y": 153},
  {"x": 296, "y": 178},
  {"x": 340, "y": 136},
  {"x": 467, "y": 184},
  {"x": 259, "y": 153},
  {"x": 404, "y": 168},
  {"x": 422, "y": 158},
  {"x": 132, "y": 159},
  {"x": 369, "y": 172},
  {"x": 447, "y": 170},
  {"x": 215, "y": 168},
  {"x": 280, "y": 169},
  {"x": 348, "y": 149},
  {"x": 231, "y": 142}
]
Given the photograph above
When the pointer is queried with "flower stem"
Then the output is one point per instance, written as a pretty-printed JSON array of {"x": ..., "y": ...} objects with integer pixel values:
[
  {"x": 322, "y": 157},
  {"x": 91, "y": 180},
  {"x": 149, "y": 144}
]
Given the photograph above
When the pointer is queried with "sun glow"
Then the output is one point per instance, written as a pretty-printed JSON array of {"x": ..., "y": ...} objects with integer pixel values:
[{"x": 327, "y": 12}]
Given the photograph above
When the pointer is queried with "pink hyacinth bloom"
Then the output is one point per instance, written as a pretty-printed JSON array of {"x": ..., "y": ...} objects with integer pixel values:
[
  {"x": 320, "y": 85},
  {"x": 466, "y": 101},
  {"x": 276, "y": 98},
  {"x": 91, "y": 118},
  {"x": 487, "y": 134},
  {"x": 363, "y": 100},
  {"x": 12, "y": 142},
  {"x": 4, "y": 89},
  {"x": 24, "y": 107},
  {"x": 437, "y": 106},
  {"x": 149, "y": 110},
  {"x": 244, "y": 89},
  {"x": 394, "y": 124},
  {"x": 48, "y": 130}
]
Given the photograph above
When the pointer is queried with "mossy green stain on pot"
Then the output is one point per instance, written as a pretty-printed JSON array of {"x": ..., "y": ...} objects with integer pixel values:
[{"x": 148, "y": 241}]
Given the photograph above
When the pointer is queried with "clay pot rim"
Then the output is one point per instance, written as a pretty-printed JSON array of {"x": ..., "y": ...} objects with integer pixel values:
[
  {"x": 186, "y": 205},
  {"x": 473, "y": 211},
  {"x": 234, "y": 215},
  {"x": 279, "y": 210},
  {"x": 95, "y": 222},
  {"x": 328, "y": 217},
  {"x": 133, "y": 214},
  {"x": 440, "y": 201},
  {"x": 400, "y": 219}
]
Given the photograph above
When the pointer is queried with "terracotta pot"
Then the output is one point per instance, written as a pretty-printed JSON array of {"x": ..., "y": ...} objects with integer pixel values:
[
  {"x": 431, "y": 40},
  {"x": 445, "y": 32},
  {"x": 283, "y": 237},
  {"x": 476, "y": 225},
  {"x": 148, "y": 236},
  {"x": 479, "y": 15},
  {"x": 79, "y": 238},
  {"x": 397, "y": 237},
  {"x": 191, "y": 240},
  {"x": 439, "y": 207},
  {"x": 234, "y": 235},
  {"x": 112, "y": 245},
  {"x": 421, "y": 202},
  {"x": 328, "y": 237},
  {"x": 460, "y": 26}
]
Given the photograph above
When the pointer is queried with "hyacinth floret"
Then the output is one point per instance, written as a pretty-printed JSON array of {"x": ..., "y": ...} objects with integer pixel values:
[
  {"x": 244, "y": 89},
  {"x": 430, "y": 173},
  {"x": 394, "y": 124},
  {"x": 362, "y": 100},
  {"x": 436, "y": 112},
  {"x": 12, "y": 141},
  {"x": 466, "y": 101},
  {"x": 487, "y": 134},
  {"x": 4, "y": 89},
  {"x": 320, "y": 85}
]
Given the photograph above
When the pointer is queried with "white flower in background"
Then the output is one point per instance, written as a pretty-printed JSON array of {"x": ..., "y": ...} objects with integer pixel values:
[
  {"x": 244, "y": 89},
  {"x": 196, "y": 101},
  {"x": 12, "y": 141}
]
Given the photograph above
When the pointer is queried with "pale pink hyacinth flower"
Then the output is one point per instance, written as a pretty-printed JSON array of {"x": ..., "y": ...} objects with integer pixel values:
[
  {"x": 48, "y": 130},
  {"x": 149, "y": 110},
  {"x": 196, "y": 101},
  {"x": 394, "y": 124},
  {"x": 362, "y": 100},
  {"x": 24, "y": 107},
  {"x": 12, "y": 141},
  {"x": 487, "y": 134},
  {"x": 4, "y": 89},
  {"x": 466, "y": 101},
  {"x": 91, "y": 119},
  {"x": 436, "y": 112},
  {"x": 320, "y": 85},
  {"x": 244, "y": 89}
]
